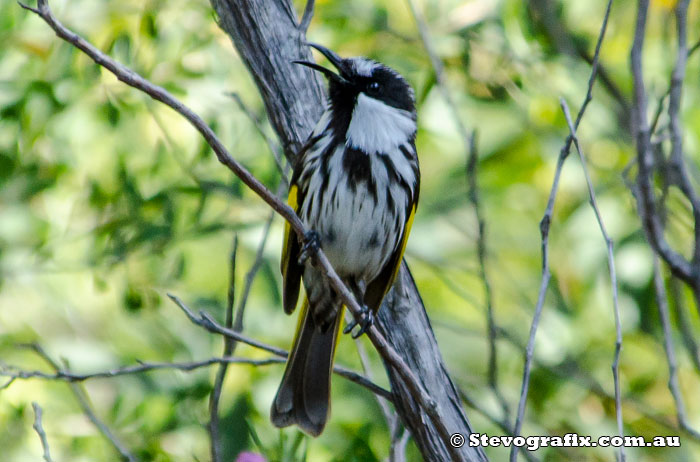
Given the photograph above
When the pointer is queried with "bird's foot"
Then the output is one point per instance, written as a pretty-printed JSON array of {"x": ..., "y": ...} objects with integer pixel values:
[
  {"x": 312, "y": 242},
  {"x": 366, "y": 319}
]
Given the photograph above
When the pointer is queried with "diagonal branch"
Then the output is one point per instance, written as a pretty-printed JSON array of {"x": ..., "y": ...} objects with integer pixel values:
[
  {"x": 215, "y": 396},
  {"x": 613, "y": 275},
  {"x": 206, "y": 321},
  {"x": 677, "y": 163},
  {"x": 131, "y": 78},
  {"x": 544, "y": 231},
  {"x": 84, "y": 402},
  {"x": 39, "y": 429},
  {"x": 469, "y": 140},
  {"x": 472, "y": 173},
  {"x": 646, "y": 201},
  {"x": 673, "y": 385}
]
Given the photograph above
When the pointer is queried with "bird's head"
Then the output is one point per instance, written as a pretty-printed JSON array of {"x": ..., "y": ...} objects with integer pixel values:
[
  {"x": 361, "y": 75},
  {"x": 372, "y": 103}
]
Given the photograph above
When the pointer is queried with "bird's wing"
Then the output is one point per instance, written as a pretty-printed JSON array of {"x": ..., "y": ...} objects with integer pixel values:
[
  {"x": 291, "y": 269},
  {"x": 379, "y": 286}
]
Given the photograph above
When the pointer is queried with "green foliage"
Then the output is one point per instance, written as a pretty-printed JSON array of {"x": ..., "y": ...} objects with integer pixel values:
[{"x": 108, "y": 201}]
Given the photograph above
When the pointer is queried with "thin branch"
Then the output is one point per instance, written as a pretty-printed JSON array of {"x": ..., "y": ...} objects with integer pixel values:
[
  {"x": 131, "y": 78},
  {"x": 548, "y": 14},
  {"x": 70, "y": 376},
  {"x": 472, "y": 180},
  {"x": 684, "y": 324},
  {"x": 662, "y": 99},
  {"x": 611, "y": 269},
  {"x": 499, "y": 422},
  {"x": 84, "y": 402},
  {"x": 207, "y": 322},
  {"x": 544, "y": 231},
  {"x": 307, "y": 16},
  {"x": 469, "y": 140},
  {"x": 569, "y": 371},
  {"x": 39, "y": 429},
  {"x": 546, "y": 275},
  {"x": 438, "y": 69},
  {"x": 396, "y": 451},
  {"x": 215, "y": 396},
  {"x": 673, "y": 386},
  {"x": 677, "y": 163},
  {"x": 250, "y": 277},
  {"x": 274, "y": 148},
  {"x": 645, "y": 159}
]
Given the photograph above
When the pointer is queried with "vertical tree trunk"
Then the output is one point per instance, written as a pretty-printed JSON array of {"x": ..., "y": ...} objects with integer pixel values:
[{"x": 267, "y": 37}]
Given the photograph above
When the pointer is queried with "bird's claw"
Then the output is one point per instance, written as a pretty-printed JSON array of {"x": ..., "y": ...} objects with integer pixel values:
[
  {"x": 312, "y": 243},
  {"x": 366, "y": 320}
]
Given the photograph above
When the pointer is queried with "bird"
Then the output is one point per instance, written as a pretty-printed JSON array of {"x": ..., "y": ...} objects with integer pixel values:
[{"x": 355, "y": 186}]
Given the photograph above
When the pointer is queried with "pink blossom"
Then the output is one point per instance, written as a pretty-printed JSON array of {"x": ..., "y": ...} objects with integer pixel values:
[{"x": 246, "y": 456}]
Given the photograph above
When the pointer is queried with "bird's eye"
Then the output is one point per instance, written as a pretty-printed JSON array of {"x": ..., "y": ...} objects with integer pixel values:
[{"x": 373, "y": 87}]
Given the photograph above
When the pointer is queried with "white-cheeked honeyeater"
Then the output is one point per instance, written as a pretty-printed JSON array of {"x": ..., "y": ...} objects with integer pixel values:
[{"x": 355, "y": 186}]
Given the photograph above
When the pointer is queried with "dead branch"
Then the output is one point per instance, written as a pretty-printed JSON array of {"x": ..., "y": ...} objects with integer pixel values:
[{"x": 413, "y": 386}]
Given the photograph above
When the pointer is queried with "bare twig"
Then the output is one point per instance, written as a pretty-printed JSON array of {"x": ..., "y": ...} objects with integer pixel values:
[
  {"x": 498, "y": 421},
  {"x": 250, "y": 277},
  {"x": 673, "y": 386},
  {"x": 611, "y": 269},
  {"x": 662, "y": 99},
  {"x": 469, "y": 140},
  {"x": 472, "y": 174},
  {"x": 70, "y": 376},
  {"x": 84, "y": 402},
  {"x": 206, "y": 321},
  {"x": 396, "y": 451},
  {"x": 307, "y": 16},
  {"x": 677, "y": 163},
  {"x": 680, "y": 310},
  {"x": 570, "y": 372},
  {"x": 544, "y": 231},
  {"x": 645, "y": 159},
  {"x": 131, "y": 78},
  {"x": 546, "y": 275},
  {"x": 436, "y": 63},
  {"x": 555, "y": 28},
  {"x": 215, "y": 443},
  {"x": 39, "y": 429},
  {"x": 274, "y": 148}
]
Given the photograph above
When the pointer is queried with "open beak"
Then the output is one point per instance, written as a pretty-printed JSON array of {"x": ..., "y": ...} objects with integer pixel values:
[{"x": 332, "y": 57}]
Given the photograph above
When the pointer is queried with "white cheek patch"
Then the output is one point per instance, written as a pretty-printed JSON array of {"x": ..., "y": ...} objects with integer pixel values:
[{"x": 377, "y": 127}]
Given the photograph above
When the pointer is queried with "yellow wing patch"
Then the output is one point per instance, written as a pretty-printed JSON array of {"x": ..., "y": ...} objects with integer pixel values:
[
  {"x": 292, "y": 202},
  {"x": 402, "y": 248}
]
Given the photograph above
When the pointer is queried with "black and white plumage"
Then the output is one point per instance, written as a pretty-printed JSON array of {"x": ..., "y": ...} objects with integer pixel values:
[{"x": 355, "y": 185}]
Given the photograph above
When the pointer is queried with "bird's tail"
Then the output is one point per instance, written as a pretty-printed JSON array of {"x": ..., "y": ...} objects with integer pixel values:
[{"x": 303, "y": 397}]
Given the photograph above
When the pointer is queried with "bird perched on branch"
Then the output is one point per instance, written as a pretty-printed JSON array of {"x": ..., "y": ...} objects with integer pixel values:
[{"x": 355, "y": 186}]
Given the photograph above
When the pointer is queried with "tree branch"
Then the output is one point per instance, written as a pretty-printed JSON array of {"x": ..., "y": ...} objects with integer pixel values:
[
  {"x": 268, "y": 40},
  {"x": 215, "y": 396},
  {"x": 645, "y": 159},
  {"x": 473, "y": 194},
  {"x": 39, "y": 429},
  {"x": 613, "y": 275},
  {"x": 544, "y": 231},
  {"x": 673, "y": 386},
  {"x": 84, "y": 402},
  {"x": 427, "y": 405}
]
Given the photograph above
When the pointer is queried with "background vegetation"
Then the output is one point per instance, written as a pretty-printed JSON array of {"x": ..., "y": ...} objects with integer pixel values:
[{"x": 108, "y": 200}]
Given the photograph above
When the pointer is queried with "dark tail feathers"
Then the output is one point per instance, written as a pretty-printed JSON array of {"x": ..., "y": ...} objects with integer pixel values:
[{"x": 303, "y": 397}]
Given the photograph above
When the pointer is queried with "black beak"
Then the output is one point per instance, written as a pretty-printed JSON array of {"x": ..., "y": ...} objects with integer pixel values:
[{"x": 336, "y": 60}]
